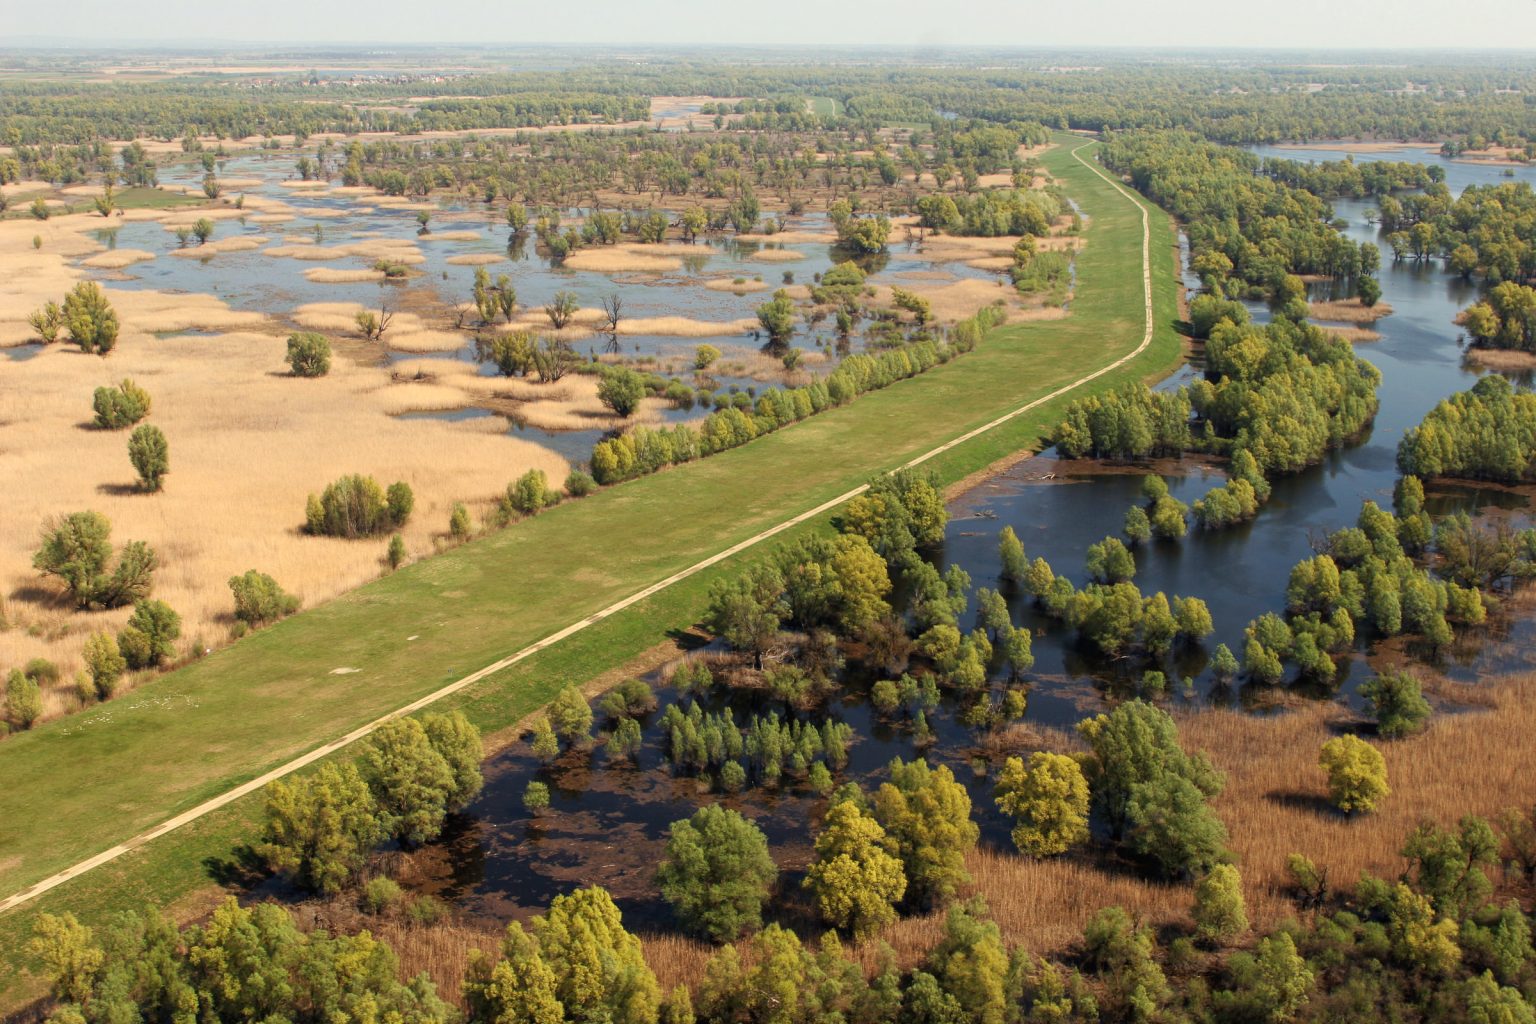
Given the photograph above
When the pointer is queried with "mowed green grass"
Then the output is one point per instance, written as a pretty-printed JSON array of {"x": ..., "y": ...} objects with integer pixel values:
[{"x": 78, "y": 786}]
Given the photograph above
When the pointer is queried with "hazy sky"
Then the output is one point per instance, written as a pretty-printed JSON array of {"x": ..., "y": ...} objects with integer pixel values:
[{"x": 1331, "y": 23}]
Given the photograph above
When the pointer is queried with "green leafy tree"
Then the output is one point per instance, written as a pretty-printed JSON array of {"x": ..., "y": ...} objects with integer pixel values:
[
  {"x": 599, "y": 970},
  {"x": 517, "y": 986},
  {"x": 68, "y": 955},
  {"x": 121, "y": 406},
  {"x": 1110, "y": 562},
  {"x": 150, "y": 636},
  {"x": 561, "y": 309},
  {"x": 621, "y": 389},
  {"x": 46, "y": 320},
  {"x": 972, "y": 966},
  {"x": 1398, "y": 703},
  {"x": 1011, "y": 551},
  {"x": 1357, "y": 774},
  {"x": 856, "y": 882},
  {"x": 717, "y": 873},
  {"x": 23, "y": 701},
  {"x": 150, "y": 455},
  {"x": 412, "y": 783},
  {"x": 1220, "y": 912},
  {"x": 1448, "y": 866},
  {"x": 1269, "y": 986},
  {"x": 777, "y": 316},
  {"x": 459, "y": 525},
  {"x": 457, "y": 742},
  {"x": 90, "y": 319},
  {"x": 926, "y": 815},
  {"x": 571, "y": 716},
  {"x": 1172, "y": 824},
  {"x": 529, "y": 494},
  {"x": 1048, "y": 801},
  {"x": 105, "y": 663},
  {"x": 705, "y": 356},
  {"x": 76, "y": 548},
  {"x": 356, "y": 506},
  {"x": 1134, "y": 744},
  {"x": 320, "y": 828},
  {"x": 309, "y": 354}
]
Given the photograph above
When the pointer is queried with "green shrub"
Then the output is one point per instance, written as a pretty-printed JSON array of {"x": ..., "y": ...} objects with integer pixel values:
[
  {"x": 259, "y": 600},
  {"x": 381, "y": 895},
  {"x": 41, "y": 671},
  {"x": 579, "y": 484},
  {"x": 150, "y": 454},
  {"x": 90, "y": 319},
  {"x": 395, "y": 553},
  {"x": 121, "y": 406},
  {"x": 105, "y": 663},
  {"x": 151, "y": 634},
  {"x": 77, "y": 548},
  {"x": 401, "y": 501},
  {"x": 309, "y": 354},
  {"x": 459, "y": 525},
  {"x": 527, "y": 495},
  {"x": 621, "y": 390},
  {"x": 23, "y": 700}
]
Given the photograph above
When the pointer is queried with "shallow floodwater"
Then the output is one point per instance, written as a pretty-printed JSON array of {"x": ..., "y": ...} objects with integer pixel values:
[
  {"x": 607, "y": 823},
  {"x": 251, "y": 280}
]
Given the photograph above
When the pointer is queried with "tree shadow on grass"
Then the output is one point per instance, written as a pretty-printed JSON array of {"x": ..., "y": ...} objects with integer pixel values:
[
  {"x": 242, "y": 868},
  {"x": 120, "y": 490},
  {"x": 1310, "y": 803}
]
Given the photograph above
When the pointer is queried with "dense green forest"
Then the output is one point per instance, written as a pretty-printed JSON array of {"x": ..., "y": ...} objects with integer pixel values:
[{"x": 1466, "y": 102}]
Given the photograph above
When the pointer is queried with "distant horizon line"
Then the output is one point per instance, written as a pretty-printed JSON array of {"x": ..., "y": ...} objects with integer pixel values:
[{"x": 40, "y": 42}]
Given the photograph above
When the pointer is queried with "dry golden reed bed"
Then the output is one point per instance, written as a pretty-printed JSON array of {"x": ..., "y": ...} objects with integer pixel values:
[{"x": 247, "y": 444}]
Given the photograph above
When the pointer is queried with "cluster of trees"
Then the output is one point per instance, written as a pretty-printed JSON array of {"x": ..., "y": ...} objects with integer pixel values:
[
  {"x": 1436, "y": 944},
  {"x": 992, "y": 212},
  {"x": 1505, "y": 318},
  {"x": 1114, "y": 617},
  {"x": 1350, "y": 180},
  {"x": 1284, "y": 393},
  {"x": 356, "y": 506},
  {"x": 86, "y": 316},
  {"x": 412, "y": 773},
  {"x": 1365, "y": 575},
  {"x": 759, "y": 751},
  {"x": 645, "y": 450},
  {"x": 1485, "y": 433},
  {"x": 1133, "y": 422},
  {"x": 901, "y": 847},
  {"x": 1485, "y": 232},
  {"x": 1247, "y": 231}
]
